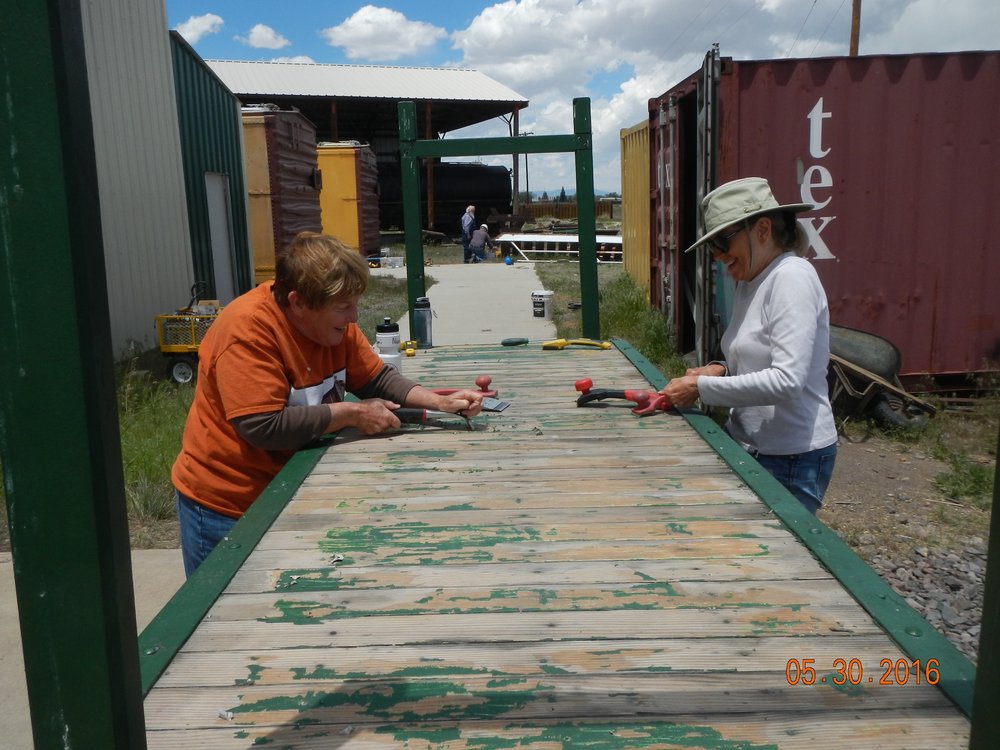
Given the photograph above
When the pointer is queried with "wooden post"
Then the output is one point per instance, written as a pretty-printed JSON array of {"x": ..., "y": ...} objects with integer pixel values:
[{"x": 855, "y": 27}]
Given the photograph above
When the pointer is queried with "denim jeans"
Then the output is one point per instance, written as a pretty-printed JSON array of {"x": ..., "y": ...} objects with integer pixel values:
[
  {"x": 805, "y": 475},
  {"x": 201, "y": 529}
]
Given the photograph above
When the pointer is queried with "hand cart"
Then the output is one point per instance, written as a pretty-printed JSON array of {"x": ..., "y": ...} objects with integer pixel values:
[{"x": 180, "y": 334}]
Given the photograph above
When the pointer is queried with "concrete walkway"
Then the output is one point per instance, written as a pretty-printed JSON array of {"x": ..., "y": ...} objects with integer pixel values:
[
  {"x": 479, "y": 303},
  {"x": 156, "y": 576}
]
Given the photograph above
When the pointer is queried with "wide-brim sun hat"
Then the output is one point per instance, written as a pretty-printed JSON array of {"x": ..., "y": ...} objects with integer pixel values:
[{"x": 737, "y": 201}]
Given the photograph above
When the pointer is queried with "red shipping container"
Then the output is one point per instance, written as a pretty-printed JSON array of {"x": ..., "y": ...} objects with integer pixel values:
[{"x": 901, "y": 156}]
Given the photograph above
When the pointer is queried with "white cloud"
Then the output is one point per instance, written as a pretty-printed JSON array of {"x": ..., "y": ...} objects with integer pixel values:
[
  {"x": 198, "y": 27},
  {"x": 263, "y": 37},
  {"x": 294, "y": 59},
  {"x": 382, "y": 35},
  {"x": 936, "y": 26}
]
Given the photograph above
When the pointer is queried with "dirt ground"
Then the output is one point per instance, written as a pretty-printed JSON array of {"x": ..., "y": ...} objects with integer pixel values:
[{"x": 883, "y": 500}]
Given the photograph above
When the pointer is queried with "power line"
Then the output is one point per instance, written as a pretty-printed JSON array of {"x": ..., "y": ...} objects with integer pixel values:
[
  {"x": 827, "y": 27},
  {"x": 794, "y": 41}
]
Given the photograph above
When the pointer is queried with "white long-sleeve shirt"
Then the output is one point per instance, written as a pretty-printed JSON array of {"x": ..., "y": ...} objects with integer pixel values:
[{"x": 777, "y": 350}]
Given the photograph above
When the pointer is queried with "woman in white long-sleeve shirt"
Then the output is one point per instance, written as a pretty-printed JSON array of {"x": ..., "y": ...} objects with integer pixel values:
[{"x": 777, "y": 345}]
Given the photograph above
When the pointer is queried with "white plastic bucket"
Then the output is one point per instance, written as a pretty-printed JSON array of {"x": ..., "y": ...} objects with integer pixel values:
[{"x": 541, "y": 304}]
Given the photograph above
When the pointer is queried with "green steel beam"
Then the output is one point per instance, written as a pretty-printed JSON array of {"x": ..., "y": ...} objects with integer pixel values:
[
  {"x": 914, "y": 635},
  {"x": 985, "y": 716},
  {"x": 528, "y": 144},
  {"x": 410, "y": 183},
  {"x": 586, "y": 229},
  {"x": 580, "y": 143},
  {"x": 174, "y": 624},
  {"x": 59, "y": 439}
]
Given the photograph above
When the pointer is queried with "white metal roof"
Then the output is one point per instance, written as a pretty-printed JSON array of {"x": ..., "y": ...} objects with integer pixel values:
[{"x": 363, "y": 81}]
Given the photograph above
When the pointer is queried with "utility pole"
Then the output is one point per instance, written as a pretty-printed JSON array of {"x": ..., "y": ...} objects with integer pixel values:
[{"x": 855, "y": 27}]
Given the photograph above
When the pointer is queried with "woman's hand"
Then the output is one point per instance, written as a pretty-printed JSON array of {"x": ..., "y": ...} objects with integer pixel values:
[
  {"x": 682, "y": 392},
  {"x": 371, "y": 416},
  {"x": 465, "y": 403},
  {"x": 714, "y": 369}
]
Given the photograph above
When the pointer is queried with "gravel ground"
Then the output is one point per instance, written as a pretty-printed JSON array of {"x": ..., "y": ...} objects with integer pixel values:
[
  {"x": 944, "y": 587},
  {"x": 884, "y": 504}
]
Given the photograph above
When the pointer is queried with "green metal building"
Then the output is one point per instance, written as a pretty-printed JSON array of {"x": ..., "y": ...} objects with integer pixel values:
[{"x": 211, "y": 134}]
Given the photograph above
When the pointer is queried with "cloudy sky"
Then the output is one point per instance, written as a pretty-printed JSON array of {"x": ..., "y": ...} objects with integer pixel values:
[{"x": 617, "y": 52}]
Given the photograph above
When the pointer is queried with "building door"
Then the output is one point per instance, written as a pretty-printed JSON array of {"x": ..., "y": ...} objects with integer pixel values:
[{"x": 220, "y": 229}]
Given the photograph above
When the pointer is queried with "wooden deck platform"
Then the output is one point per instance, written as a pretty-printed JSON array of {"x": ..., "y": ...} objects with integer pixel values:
[{"x": 559, "y": 577}]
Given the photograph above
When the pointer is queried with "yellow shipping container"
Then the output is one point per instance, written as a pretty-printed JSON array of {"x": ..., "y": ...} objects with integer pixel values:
[
  {"x": 636, "y": 253},
  {"x": 349, "y": 198}
]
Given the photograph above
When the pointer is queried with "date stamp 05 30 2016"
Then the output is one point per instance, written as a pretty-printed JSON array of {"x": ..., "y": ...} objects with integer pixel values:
[{"x": 851, "y": 672}]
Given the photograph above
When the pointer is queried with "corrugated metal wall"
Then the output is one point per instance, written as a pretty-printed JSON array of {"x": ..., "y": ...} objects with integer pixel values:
[
  {"x": 211, "y": 131},
  {"x": 635, "y": 204},
  {"x": 140, "y": 177}
]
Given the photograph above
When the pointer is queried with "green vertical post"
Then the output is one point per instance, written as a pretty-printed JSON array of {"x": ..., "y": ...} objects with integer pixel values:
[
  {"x": 59, "y": 439},
  {"x": 412, "y": 234},
  {"x": 985, "y": 717},
  {"x": 586, "y": 232}
]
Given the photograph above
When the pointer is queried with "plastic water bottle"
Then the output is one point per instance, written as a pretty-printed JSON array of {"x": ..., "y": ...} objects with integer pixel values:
[
  {"x": 387, "y": 343},
  {"x": 422, "y": 322}
]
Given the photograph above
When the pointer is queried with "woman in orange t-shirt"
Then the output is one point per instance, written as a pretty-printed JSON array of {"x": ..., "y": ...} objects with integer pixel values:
[{"x": 272, "y": 373}]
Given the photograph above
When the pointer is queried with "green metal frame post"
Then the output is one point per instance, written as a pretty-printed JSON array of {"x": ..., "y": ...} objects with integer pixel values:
[
  {"x": 416, "y": 285},
  {"x": 586, "y": 230},
  {"x": 580, "y": 143},
  {"x": 59, "y": 438},
  {"x": 985, "y": 716}
]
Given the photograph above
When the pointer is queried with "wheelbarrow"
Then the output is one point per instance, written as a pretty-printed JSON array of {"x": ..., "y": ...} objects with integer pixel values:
[
  {"x": 180, "y": 334},
  {"x": 863, "y": 376}
]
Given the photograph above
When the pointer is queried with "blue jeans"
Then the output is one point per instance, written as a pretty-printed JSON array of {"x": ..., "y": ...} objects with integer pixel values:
[
  {"x": 201, "y": 529},
  {"x": 805, "y": 475}
]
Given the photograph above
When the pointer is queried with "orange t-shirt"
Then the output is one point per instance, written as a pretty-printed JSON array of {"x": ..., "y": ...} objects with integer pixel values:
[{"x": 253, "y": 361}]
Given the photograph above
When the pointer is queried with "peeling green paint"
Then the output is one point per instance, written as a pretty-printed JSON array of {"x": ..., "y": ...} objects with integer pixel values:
[
  {"x": 254, "y": 672},
  {"x": 427, "y": 539},
  {"x": 319, "y": 579},
  {"x": 851, "y": 691},
  {"x": 401, "y": 701},
  {"x": 679, "y": 528},
  {"x": 549, "y": 669},
  {"x": 461, "y": 506},
  {"x": 384, "y": 508}
]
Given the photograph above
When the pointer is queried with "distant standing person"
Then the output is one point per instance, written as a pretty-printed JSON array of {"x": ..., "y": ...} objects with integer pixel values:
[
  {"x": 468, "y": 226},
  {"x": 777, "y": 345},
  {"x": 480, "y": 241}
]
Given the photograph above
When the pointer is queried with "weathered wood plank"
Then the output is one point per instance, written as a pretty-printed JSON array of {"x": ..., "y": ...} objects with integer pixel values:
[
  {"x": 276, "y": 556},
  {"x": 924, "y": 729},
  {"x": 533, "y": 626},
  {"x": 554, "y": 696},
  {"x": 297, "y": 605},
  {"x": 615, "y": 657},
  {"x": 334, "y": 577}
]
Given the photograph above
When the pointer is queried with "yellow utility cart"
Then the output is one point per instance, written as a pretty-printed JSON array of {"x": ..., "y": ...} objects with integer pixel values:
[{"x": 180, "y": 334}]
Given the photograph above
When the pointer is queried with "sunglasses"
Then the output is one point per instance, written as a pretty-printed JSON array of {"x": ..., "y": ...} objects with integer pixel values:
[{"x": 721, "y": 241}]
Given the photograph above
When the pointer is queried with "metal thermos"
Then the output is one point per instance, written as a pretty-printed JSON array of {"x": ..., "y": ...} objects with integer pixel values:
[
  {"x": 387, "y": 343},
  {"x": 422, "y": 322}
]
